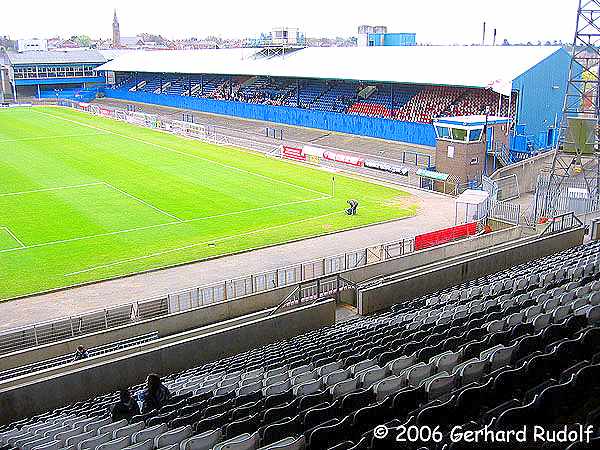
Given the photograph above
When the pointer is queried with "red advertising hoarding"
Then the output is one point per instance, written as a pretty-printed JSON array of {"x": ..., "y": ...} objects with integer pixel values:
[{"x": 444, "y": 236}]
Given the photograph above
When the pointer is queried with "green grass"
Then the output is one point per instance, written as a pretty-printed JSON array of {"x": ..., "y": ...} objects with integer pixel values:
[{"x": 85, "y": 198}]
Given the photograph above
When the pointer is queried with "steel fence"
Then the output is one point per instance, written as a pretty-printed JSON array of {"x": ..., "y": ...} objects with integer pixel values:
[
  {"x": 508, "y": 188},
  {"x": 569, "y": 195},
  {"x": 507, "y": 212},
  {"x": 490, "y": 186},
  {"x": 188, "y": 299},
  {"x": 562, "y": 222},
  {"x": 287, "y": 276}
]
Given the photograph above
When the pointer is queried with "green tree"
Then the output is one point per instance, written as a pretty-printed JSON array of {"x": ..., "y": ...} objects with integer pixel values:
[{"x": 83, "y": 40}]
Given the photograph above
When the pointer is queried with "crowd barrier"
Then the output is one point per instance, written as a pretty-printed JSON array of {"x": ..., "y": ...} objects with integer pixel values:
[
  {"x": 53, "y": 331},
  {"x": 191, "y": 130}
]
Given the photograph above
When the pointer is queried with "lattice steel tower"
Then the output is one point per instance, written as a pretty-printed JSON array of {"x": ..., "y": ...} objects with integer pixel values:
[{"x": 575, "y": 167}]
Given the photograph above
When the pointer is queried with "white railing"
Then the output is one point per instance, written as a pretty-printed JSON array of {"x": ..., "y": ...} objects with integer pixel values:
[
  {"x": 196, "y": 297},
  {"x": 507, "y": 212}
]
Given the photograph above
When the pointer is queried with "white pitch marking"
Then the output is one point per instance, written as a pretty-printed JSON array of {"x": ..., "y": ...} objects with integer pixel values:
[
  {"x": 14, "y": 237},
  {"x": 142, "y": 202},
  {"x": 39, "y": 138},
  {"x": 123, "y": 261},
  {"x": 59, "y": 188},
  {"x": 183, "y": 153},
  {"x": 130, "y": 230}
]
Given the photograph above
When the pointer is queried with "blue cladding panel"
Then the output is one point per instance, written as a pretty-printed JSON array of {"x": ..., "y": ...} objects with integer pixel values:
[
  {"x": 392, "y": 39},
  {"x": 542, "y": 92},
  {"x": 413, "y": 133}
]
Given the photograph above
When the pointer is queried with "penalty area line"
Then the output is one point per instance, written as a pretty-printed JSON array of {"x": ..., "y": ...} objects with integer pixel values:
[
  {"x": 143, "y": 202},
  {"x": 223, "y": 239},
  {"x": 59, "y": 188},
  {"x": 40, "y": 138},
  {"x": 12, "y": 235},
  {"x": 160, "y": 225}
]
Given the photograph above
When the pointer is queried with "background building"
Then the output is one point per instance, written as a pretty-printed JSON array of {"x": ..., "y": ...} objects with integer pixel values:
[
  {"x": 24, "y": 45},
  {"x": 378, "y": 36}
]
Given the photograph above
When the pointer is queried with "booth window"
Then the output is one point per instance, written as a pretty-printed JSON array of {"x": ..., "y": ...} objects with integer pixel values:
[
  {"x": 475, "y": 135},
  {"x": 459, "y": 134},
  {"x": 443, "y": 132}
]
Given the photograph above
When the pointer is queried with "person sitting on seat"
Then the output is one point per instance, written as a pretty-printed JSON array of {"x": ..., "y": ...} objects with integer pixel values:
[
  {"x": 81, "y": 353},
  {"x": 125, "y": 408},
  {"x": 156, "y": 395}
]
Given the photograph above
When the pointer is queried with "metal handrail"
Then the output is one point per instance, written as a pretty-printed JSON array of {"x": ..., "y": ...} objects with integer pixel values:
[
  {"x": 285, "y": 300},
  {"x": 574, "y": 222}
]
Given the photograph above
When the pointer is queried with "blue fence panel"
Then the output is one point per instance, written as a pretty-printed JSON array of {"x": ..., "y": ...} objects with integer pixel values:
[
  {"x": 518, "y": 143},
  {"x": 542, "y": 139},
  {"x": 414, "y": 133},
  {"x": 76, "y": 94}
]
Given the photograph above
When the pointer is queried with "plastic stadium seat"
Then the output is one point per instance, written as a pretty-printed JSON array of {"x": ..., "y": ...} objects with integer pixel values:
[
  {"x": 148, "y": 433},
  {"x": 94, "y": 426},
  {"x": 202, "y": 441},
  {"x": 173, "y": 436},
  {"x": 243, "y": 442},
  {"x": 40, "y": 441},
  {"x": 145, "y": 445},
  {"x": 75, "y": 440},
  {"x": 115, "y": 444},
  {"x": 62, "y": 437},
  {"x": 51, "y": 445},
  {"x": 111, "y": 427},
  {"x": 128, "y": 430},
  {"x": 95, "y": 441},
  {"x": 289, "y": 443}
]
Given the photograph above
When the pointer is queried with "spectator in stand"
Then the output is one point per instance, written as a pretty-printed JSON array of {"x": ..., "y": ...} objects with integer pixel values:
[
  {"x": 125, "y": 408},
  {"x": 81, "y": 353},
  {"x": 156, "y": 394}
]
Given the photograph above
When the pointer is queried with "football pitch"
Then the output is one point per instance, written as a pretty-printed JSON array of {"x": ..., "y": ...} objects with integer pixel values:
[{"x": 85, "y": 198}]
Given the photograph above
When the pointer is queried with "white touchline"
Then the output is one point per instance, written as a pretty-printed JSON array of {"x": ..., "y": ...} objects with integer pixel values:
[
  {"x": 131, "y": 230},
  {"x": 183, "y": 153},
  {"x": 59, "y": 188},
  {"x": 14, "y": 237},
  {"x": 39, "y": 138},
  {"x": 164, "y": 252},
  {"x": 143, "y": 202}
]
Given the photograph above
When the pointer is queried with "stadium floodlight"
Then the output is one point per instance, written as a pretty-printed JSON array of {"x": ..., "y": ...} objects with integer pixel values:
[{"x": 576, "y": 162}]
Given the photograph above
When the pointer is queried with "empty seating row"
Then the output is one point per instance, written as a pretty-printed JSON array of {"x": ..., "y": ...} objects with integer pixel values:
[
  {"x": 492, "y": 350},
  {"x": 60, "y": 360}
]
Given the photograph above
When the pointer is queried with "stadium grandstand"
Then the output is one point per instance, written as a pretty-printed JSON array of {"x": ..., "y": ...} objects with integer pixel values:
[
  {"x": 384, "y": 92},
  {"x": 53, "y": 74},
  {"x": 301, "y": 248},
  {"x": 510, "y": 348}
]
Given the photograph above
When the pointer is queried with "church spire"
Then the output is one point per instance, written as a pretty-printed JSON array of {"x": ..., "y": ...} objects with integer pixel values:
[{"x": 116, "y": 41}]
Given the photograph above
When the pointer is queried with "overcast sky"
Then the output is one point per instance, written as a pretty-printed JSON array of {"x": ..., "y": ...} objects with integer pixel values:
[{"x": 434, "y": 21}]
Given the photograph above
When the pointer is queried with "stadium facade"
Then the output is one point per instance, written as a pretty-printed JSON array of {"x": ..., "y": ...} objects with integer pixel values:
[{"x": 383, "y": 92}]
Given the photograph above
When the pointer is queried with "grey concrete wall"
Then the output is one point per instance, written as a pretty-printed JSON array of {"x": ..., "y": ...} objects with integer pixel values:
[
  {"x": 413, "y": 285},
  {"x": 434, "y": 254},
  {"x": 210, "y": 314},
  {"x": 527, "y": 171},
  {"x": 164, "y": 325},
  {"x": 82, "y": 383},
  {"x": 130, "y": 350}
]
